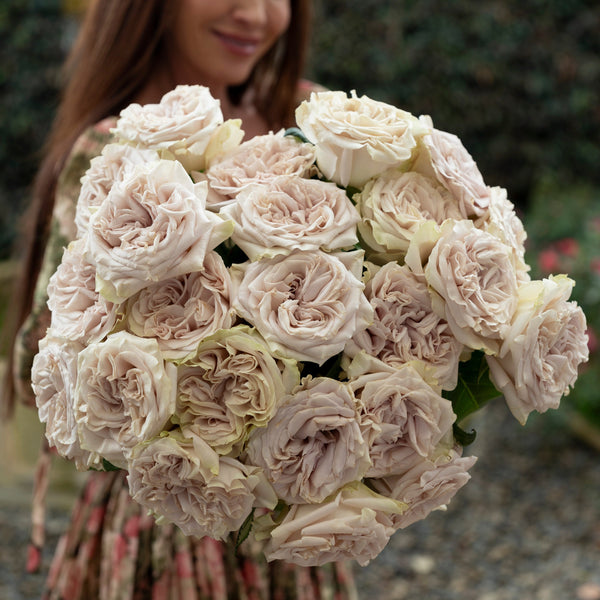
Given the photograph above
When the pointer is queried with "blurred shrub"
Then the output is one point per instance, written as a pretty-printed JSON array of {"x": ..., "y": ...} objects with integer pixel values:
[
  {"x": 31, "y": 53},
  {"x": 563, "y": 225},
  {"x": 516, "y": 80}
]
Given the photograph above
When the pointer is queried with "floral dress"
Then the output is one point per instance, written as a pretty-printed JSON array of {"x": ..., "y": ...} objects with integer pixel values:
[{"x": 112, "y": 548}]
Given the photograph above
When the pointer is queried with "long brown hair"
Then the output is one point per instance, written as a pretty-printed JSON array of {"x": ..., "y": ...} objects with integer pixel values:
[{"x": 118, "y": 44}]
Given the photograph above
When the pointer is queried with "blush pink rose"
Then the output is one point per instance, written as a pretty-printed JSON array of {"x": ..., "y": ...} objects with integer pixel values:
[
  {"x": 543, "y": 348},
  {"x": 79, "y": 312},
  {"x": 292, "y": 213},
  {"x": 313, "y": 445},
  {"x": 306, "y": 305},
  {"x": 151, "y": 226},
  {"x": 405, "y": 327}
]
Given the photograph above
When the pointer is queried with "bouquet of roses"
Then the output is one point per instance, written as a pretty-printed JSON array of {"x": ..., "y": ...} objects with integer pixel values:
[{"x": 282, "y": 335}]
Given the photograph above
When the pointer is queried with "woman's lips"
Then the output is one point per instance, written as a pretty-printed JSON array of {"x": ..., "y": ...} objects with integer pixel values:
[{"x": 243, "y": 46}]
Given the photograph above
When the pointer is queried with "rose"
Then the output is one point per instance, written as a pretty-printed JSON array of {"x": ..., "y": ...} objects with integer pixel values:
[
  {"x": 180, "y": 126},
  {"x": 125, "y": 394},
  {"x": 291, "y": 213},
  {"x": 78, "y": 312},
  {"x": 428, "y": 485},
  {"x": 355, "y": 524},
  {"x": 179, "y": 312},
  {"x": 502, "y": 221},
  {"x": 357, "y": 138},
  {"x": 443, "y": 156},
  {"x": 394, "y": 204},
  {"x": 405, "y": 328},
  {"x": 150, "y": 227},
  {"x": 473, "y": 279},
  {"x": 306, "y": 305},
  {"x": 231, "y": 385},
  {"x": 114, "y": 164},
  {"x": 256, "y": 160},
  {"x": 402, "y": 411},
  {"x": 543, "y": 348},
  {"x": 53, "y": 379},
  {"x": 313, "y": 445},
  {"x": 184, "y": 482}
]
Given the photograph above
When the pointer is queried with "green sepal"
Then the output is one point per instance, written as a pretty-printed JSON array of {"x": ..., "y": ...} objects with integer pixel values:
[
  {"x": 107, "y": 466},
  {"x": 244, "y": 530},
  {"x": 297, "y": 133},
  {"x": 464, "y": 438}
]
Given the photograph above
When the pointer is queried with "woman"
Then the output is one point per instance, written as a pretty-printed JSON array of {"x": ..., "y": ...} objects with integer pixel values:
[{"x": 250, "y": 54}]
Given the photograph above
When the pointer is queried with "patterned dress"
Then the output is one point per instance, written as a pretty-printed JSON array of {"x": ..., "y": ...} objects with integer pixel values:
[{"x": 112, "y": 548}]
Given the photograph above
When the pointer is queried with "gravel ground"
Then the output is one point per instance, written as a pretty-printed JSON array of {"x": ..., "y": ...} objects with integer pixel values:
[{"x": 526, "y": 527}]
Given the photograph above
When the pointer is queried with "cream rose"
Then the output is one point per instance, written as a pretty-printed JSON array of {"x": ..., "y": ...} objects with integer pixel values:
[
  {"x": 181, "y": 311},
  {"x": 542, "y": 350},
  {"x": 356, "y": 524},
  {"x": 184, "y": 482},
  {"x": 405, "y": 327},
  {"x": 180, "y": 126},
  {"x": 114, "y": 164},
  {"x": 502, "y": 221},
  {"x": 306, "y": 305},
  {"x": 427, "y": 486},
  {"x": 125, "y": 394},
  {"x": 291, "y": 213},
  {"x": 394, "y": 204},
  {"x": 53, "y": 379},
  {"x": 443, "y": 156},
  {"x": 357, "y": 138},
  {"x": 473, "y": 279},
  {"x": 402, "y": 411},
  {"x": 230, "y": 386},
  {"x": 79, "y": 313},
  {"x": 256, "y": 160},
  {"x": 151, "y": 227},
  {"x": 313, "y": 445}
]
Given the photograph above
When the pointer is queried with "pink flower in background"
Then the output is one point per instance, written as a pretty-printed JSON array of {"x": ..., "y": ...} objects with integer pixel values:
[
  {"x": 568, "y": 247},
  {"x": 548, "y": 261}
]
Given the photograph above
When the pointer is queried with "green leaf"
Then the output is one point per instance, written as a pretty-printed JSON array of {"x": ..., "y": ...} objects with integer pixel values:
[
  {"x": 244, "y": 530},
  {"x": 474, "y": 388}
]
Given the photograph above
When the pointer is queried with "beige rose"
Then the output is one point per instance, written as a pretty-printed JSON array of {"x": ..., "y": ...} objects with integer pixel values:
[
  {"x": 79, "y": 313},
  {"x": 181, "y": 311},
  {"x": 184, "y": 482},
  {"x": 306, "y": 305},
  {"x": 543, "y": 348},
  {"x": 313, "y": 445},
  {"x": 53, "y": 379},
  {"x": 394, "y": 204},
  {"x": 151, "y": 227},
  {"x": 356, "y": 524},
  {"x": 291, "y": 213},
  {"x": 357, "y": 138},
  {"x": 230, "y": 386},
  {"x": 125, "y": 394},
  {"x": 502, "y": 221},
  {"x": 473, "y": 279},
  {"x": 180, "y": 126},
  {"x": 429, "y": 485},
  {"x": 114, "y": 164},
  {"x": 443, "y": 156},
  {"x": 405, "y": 327},
  {"x": 256, "y": 160},
  {"x": 402, "y": 411}
]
